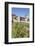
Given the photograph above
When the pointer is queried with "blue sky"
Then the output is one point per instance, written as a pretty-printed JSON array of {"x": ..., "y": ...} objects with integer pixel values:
[{"x": 20, "y": 11}]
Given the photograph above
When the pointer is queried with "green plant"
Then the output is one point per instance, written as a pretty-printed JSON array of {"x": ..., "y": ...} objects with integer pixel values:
[{"x": 20, "y": 30}]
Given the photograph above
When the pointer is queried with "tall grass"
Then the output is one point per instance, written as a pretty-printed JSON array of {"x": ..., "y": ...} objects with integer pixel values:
[{"x": 20, "y": 30}]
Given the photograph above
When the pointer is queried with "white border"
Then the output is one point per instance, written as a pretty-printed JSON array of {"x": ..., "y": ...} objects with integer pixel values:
[{"x": 10, "y": 6}]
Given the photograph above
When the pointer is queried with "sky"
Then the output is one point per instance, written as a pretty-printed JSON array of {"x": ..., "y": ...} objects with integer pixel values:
[{"x": 20, "y": 11}]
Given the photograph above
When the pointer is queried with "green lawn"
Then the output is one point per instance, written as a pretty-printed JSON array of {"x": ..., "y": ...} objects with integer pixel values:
[{"x": 20, "y": 30}]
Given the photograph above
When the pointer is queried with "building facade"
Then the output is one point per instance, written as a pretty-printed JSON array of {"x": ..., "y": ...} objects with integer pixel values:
[{"x": 19, "y": 19}]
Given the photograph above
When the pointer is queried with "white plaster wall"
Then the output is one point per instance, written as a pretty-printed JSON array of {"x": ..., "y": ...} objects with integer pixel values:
[
  {"x": 18, "y": 19},
  {"x": 34, "y": 22}
]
